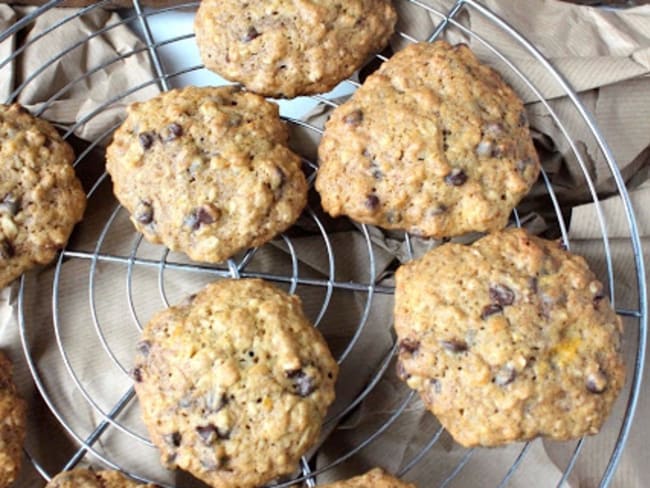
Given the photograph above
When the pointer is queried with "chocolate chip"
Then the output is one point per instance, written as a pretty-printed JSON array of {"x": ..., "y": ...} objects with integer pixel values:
[
  {"x": 454, "y": 345},
  {"x": 533, "y": 283},
  {"x": 207, "y": 433},
  {"x": 438, "y": 210},
  {"x": 136, "y": 374},
  {"x": 522, "y": 164},
  {"x": 215, "y": 403},
  {"x": 204, "y": 215},
  {"x": 505, "y": 376},
  {"x": 235, "y": 120},
  {"x": 502, "y": 295},
  {"x": 484, "y": 149},
  {"x": 302, "y": 382},
  {"x": 372, "y": 202},
  {"x": 144, "y": 213},
  {"x": 7, "y": 250},
  {"x": 251, "y": 34},
  {"x": 174, "y": 131},
  {"x": 523, "y": 118},
  {"x": 457, "y": 177},
  {"x": 143, "y": 347},
  {"x": 354, "y": 118},
  {"x": 146, "y": 139},
  {"x": 401, "y": 372},
  {"x": 174, "y": 439},
  {"x": 596, "y": 382},
  {"x": 10, "y": 204},
  {"x": 377, "y": 174},
  {"x": 491, "y": 309},
  {"x": 409, "y": 346}
]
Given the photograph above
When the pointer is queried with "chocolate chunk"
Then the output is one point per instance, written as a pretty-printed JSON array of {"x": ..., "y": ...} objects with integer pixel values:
[
  {"x": 146, "y": 139},
  {"x": 502, "y": 295},
  {"x": 136, "y": 374},
  {"x": 372, "y": 202},
  {"x": 457, "y": 177},
  {"x": 143, "y": 347},
  {"x": 409, "y": 346},
  {"x": 354, "y": 118},
  {"x": 596, "y": 382},
  {"x": 207, "y": 433},
  {"x": 204, "y": 215},
  {"x": 505, "y": 376},
  {"x": 144, "y": 213},
  {"x": 302, "y": 382},
  {"x": 7, "y": 250},
  {"x": 10, "y": 205},
  {"x": 174, "y": 131},
  {"x": 174, "y": 439},
  {"x": 491, "y": 309},
  {"x": 251, "y": 34},
  {"x": 454, "y": 345}
]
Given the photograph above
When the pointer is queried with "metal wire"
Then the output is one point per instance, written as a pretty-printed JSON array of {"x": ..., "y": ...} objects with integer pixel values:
[{"x": 109, "y": 418}]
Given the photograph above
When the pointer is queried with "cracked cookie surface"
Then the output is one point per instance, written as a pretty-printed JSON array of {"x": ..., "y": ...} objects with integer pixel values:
[
  {"x": 286, "y": 48},
  {"x": 207, "y": 171},
  {"x": 12, "y": 425},
  {"x": 434, "y": 143},
  {"x": 234, "y": 385},
  {"x": 375, "y": 478},
  {"x": 87, "y": 478},
  {"x": 508, "y": 339},
  {"x": 41, "y": 198}
]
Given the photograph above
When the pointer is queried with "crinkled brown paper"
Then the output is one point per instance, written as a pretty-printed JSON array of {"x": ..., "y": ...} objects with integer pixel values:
[{"x": 604, "y": 55}]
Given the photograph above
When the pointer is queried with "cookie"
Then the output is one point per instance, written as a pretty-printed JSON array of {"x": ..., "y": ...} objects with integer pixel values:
[
  {"x": 508, "y": 339},
  {"x": 41, "y": 198},
  {"x": 12, "y": 425},
  {"x": 234, "y": 384},
  {"x": 284, "y": 48},
  {"x": 207, "y": 171},
  {"x": 87, "y": 478},
  {"x": 434, "y": 143},
  {"x": 376, "y": 478}
]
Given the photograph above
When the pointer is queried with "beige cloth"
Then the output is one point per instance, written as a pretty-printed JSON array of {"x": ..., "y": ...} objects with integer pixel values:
[{"x": 605, "y": 55}]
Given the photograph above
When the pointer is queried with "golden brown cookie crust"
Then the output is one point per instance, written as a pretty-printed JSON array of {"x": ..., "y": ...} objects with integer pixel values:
[
  {"x": 508, "y": 339},
  {"x": 41, "y": 198},
  {"x": 375, "y": 478},
  {"x": 87, "y": 478},
  {"x": 207, "y": 171},
  {"x": 434, "y": 143},
  {"x": 286, "y": 48},
  {"x": 234, "y": 385},
  {"x": 12, "y": 425}
]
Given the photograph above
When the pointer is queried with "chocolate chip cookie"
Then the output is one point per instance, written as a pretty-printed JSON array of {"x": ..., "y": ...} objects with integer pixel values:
[
  {"x": 376, "y": 478},
  {"x": 434, "y": 143},
  {"x": 284, "y": 48},
  {"x": 41, "y": 198},
  {"x": 87, "y": 478},
  {"x": 12, "y": 425},
  {"x": 234, "y": 384},
  {"x": 508, "y": 339},
  {"x": 207, "y": 171}
]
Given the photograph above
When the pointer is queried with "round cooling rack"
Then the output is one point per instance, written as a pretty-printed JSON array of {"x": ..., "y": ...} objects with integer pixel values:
[{"x": 110, "y": 280}]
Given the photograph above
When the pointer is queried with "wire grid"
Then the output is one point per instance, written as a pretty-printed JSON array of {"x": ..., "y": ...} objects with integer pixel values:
[{"x": 110, "y": 423}]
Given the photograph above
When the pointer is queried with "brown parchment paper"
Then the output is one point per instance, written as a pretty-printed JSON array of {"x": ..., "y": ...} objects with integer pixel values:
[{"x": 604, "y": 55}]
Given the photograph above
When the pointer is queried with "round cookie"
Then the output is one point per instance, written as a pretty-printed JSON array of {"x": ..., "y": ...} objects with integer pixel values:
[
  {"x": 508, "y": 339},
  {"x": 285, "y": 48},
  {"x": 87, "y": 478},
  {"x": 433, "y": 143},
  {"x": 207, "y": 171},
  {"x": 41, "y": 198},
  {"x": 12, "y": 425},
  {"x": 375, "y": 478},
  {"x": 234, "y": 384}
]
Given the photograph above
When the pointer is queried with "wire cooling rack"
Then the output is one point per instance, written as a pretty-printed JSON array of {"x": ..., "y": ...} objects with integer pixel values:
[{"x": 116, "y": 421}]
